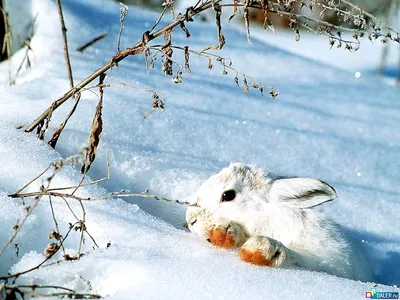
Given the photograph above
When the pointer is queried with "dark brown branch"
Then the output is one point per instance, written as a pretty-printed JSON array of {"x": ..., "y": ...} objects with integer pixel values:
[
  {"x": 91, "y": 42},
  {"x": 66, "y": 54}
]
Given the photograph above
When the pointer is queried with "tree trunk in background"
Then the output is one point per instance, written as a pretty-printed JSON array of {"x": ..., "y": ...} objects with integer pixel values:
[{"x": 2, "y": 31}]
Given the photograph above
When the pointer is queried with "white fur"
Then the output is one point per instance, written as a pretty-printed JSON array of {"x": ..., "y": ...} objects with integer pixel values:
[{"x": 275, "y": 213}]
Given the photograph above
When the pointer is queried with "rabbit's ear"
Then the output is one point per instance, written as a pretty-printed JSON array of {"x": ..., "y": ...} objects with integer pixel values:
[{"x": 301, "y": 192}]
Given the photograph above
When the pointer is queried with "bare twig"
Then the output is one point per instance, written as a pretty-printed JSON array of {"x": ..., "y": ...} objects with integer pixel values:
[
  {"x": 7, "y": 41},
  {"x": 159, "y": 19},
  {"x": 91, "y": 42},
  {"x": 18, "y": 227},
  {"x": 29, "y": 210},
  {"x": 15, "y": 290},
  {"x": 56, "y": 134},
  {"x": 16, "y": 275},
  {"x": 123, "y": 13},
  {"x": 34, "y": 179},
  {"x": 135, "y": 49},
  {"x": 66, "y": 54},
  {"x": 110, "y": 196},
  {"x": 86, "y": 184},
  {"x": 58, "y": 237}
]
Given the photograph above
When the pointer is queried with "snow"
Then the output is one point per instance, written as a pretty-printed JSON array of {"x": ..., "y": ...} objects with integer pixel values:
[{"x": 326, "y": 123}]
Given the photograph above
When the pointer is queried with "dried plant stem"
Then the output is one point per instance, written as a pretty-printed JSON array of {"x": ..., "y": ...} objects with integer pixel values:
[
  {"x": 111, "y": 195},
  {"x": 83, "y": 227},
  {"x": 134, "y": 50},
  {"x": 29, "y": 210},
  {"x": 16, "y": 275},
  {"x": 56, "y": 223},
  {"x": 86, "y": 184},
  {"x": 7, "y": 41},
  {"x": 159, "y": 19},
  {"x": 31, "y": 291},
  {"x": 40, "y": 286},
  {"x": 107, "y": 85},
  {"x": 140, "y": 46},
  {"x": 18, "y": 227},
  {"x": 64, "y": 34},
  {"x": 91, "y": 42},
  {"x": 221, "y": 61},
  {"x": 72, "y": 295},
  {"x": 34, "y": 179},
  {"x": 123, "y": 12},
  {"x": 56, "y": 134},
  {"x": 357, "y": 8}
]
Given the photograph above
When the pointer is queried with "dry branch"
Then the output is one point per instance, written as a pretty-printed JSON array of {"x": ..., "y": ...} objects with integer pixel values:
[
  {"x": 56, "y": 134},
  {"x": 64, "y": 34},
  {"x": 91, "y": 42},
  {"x": 136, "y": 49},
  {"x": 29, "y": 209},
  {"x": 12, "y": 291},
  {"x": 7, "y": 40},
  {"x": 123, "y": 13}
]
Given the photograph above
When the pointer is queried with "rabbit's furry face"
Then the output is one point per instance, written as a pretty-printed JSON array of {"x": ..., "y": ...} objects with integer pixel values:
[
  {"x": 245, "y": 182},
  {"x": 251, "y": 195}
]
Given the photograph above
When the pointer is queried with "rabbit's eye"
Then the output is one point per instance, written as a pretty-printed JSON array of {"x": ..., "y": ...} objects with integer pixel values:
[{"x": 228, "y": 196}]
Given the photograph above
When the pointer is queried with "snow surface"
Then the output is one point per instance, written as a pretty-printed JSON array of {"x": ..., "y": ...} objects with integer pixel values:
[{"x": 326, "y": 123}]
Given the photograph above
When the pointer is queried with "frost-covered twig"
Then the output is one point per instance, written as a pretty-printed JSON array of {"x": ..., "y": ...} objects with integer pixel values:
[{"x": 123, "y": 13}]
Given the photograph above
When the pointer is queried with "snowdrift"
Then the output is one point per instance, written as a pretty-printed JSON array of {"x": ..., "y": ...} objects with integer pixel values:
[{"x": 325, "y": 123}]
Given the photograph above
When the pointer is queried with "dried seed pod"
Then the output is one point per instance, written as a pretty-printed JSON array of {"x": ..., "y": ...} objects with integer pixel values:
[
  {"x": 51, "y": 249},
  {"x": 95, "y": 131},
  {"x": 178, "y": 78},
  {"x": 210, "y": 65},
  {"x": 182, "y": 24},
  {"x": 235, "y": 9},
  {"x": 246, "y": 20},
  {"x": 167, "y": 51},
  {"x": 187, "y": 66},
  {"x": 273, "y": 93},
  {"x": 236, "y": 80},
  {"x": 147, "y": 54},
  {"x": 55, "y": 235},
  {"x": 221, "y": 38},
  {"x": 297, "y": 35}
]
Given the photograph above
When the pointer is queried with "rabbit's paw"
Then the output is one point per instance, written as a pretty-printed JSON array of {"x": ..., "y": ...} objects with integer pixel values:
[
  {"x": 265, "y": 251},
  {"x": 226, "y": 234},
  {"x": 220, "y": 232}
]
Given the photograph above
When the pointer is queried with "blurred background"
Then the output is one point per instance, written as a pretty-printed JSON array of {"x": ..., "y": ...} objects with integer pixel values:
[{"x": 12, "y": 30}]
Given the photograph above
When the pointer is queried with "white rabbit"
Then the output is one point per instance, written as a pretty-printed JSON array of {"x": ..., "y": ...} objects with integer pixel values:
[{"x": 271, "y": 220}]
